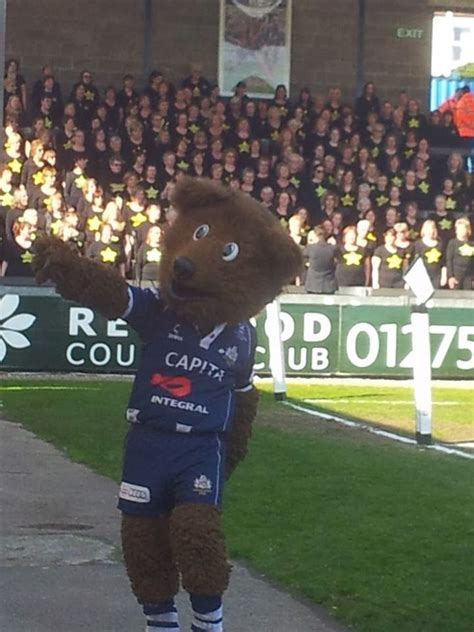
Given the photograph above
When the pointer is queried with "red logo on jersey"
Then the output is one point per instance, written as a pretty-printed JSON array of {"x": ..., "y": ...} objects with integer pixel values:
[{"x": 177, "y": 385}]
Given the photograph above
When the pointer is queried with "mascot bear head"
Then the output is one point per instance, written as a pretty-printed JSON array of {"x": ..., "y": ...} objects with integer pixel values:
[{"x": 225, "y": 257}]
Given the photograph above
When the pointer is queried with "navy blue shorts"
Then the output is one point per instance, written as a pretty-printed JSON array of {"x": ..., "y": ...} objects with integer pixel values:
[{"x": 162, "y": 470}]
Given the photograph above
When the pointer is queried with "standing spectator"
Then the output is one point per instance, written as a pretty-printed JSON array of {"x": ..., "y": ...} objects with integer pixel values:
[
  {"x": 321, "y": 264},
  {"x": 14, "y": 83},
  {"x": 353, "y": 264},
  {"x": 460, "y": 257},
  {"x": 149, "y": 256},
  {"x": 91, "y": 94},
  {"x": 388, "y": 263},
  {"x": 367, "y": 103},
  {"x": 430, "y": 248}
]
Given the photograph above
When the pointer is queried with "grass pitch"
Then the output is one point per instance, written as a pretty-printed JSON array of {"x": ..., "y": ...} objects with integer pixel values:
[{"x": 379, "y": 533}]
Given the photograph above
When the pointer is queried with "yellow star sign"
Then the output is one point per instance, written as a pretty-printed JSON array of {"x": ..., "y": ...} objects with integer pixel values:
[
  {"x": 26, "y": 257},
  {"x": 108, "y": 255},
  {"x": 183, "y": 165},
  {"x": 151, "y": 193},
  {"x": 89, "y": 95},
  {"x": 394, "y": 262},
  {"x": 275, "y": 134},
  {"x": 466, "y": 250},
  {"x": 375, "y": 151},
  {"x": 137, "y": 219},
  {"x": 94, "y": 223},
  {"x": 433, "y": 255},
  {"x": 55, "y": 226},
  {"x": 38, "y": 179},
  {"x": 244, "y": 147},
  {"x": 15, "y": 165},
  {"x": 424, "y": 187},
  {"x": 80, "y": 181},
  {"x": 348, "y": 200},
  {"x": 409, "y": 153},
  {"x": 352, "y": 258},
  {"x": 153, "y": 256},
  {"x": 445, "y": 224},
  {"x": 117, "y": 187},
  {"x": 320, "y": 190},
  {"x": 194, "y": 128},
  {"x": 413, "y": 122},
  {"x": 67, "y": 144},
  {"x": 451, "y": 204},
  {"x": 295, "y": 182},
  {"x": 381, "y": 199},
  {"x": 48, "y": 123},
  {"x": 397, "y": 181},
  {"x": 6, "y": 199}
]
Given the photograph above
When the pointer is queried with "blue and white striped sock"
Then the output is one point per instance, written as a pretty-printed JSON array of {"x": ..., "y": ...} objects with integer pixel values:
[
  {"x": 207, "y": 614},
  {"x": 161, "y": 617}
]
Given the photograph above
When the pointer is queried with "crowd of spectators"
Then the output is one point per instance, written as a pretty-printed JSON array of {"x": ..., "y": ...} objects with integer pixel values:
[{"x": 98, "y": 170}]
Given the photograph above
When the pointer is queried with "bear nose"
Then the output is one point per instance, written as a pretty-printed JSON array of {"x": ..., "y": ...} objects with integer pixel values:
[{"x": 184, "y": 268}]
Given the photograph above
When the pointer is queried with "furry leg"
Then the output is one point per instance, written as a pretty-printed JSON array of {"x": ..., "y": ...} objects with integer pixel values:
[
  {"x": 199, "y": 548},
  {"x": 149, "y": 558}
]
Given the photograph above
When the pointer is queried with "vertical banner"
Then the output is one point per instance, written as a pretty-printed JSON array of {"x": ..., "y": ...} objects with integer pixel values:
[{"x": 254, "y": 46}]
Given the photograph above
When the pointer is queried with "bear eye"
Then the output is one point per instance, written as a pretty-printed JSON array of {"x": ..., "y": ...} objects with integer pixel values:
[
  {"x": 230, "y": 251},
  {"x": 201, "y": 231}
]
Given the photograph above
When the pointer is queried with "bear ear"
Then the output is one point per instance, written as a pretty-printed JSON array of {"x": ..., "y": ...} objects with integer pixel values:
[
  {"x": 284, "y": 255},
  {"x": 197, "y": 193}
]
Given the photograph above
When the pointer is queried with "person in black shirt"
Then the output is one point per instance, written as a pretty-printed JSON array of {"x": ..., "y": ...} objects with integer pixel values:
[
  {"x": 352, "y": 267},
  {"x": 198, "y": 84},
  {"x": 18, "y": 253},
  {"x": 388, "y": 263},
  {"x": 91, "y": 94},
  {"x": 460, "y": 257},
  {"x": 368, "y": 102},
  {"x": 149, "y": 255},
  {"x": 430, "y": 248},
  {"x": 108, "y": 252},
  {"x": 320, "y": 260}
]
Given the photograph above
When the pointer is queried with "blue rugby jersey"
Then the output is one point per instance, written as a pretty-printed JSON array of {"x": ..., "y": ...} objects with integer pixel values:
[{"x": 186, "y": 382}]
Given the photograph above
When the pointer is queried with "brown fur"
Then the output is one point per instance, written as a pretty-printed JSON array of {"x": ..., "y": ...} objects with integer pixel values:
[
  {"x": 218, "y": 291},
  {"x": 238, "y": 437},
  {"x": 236, "y": 290},
  {"x": 149, "y": 558},
  {"x": 79, "y": 279},
  {"x": 199, "y": 549}
]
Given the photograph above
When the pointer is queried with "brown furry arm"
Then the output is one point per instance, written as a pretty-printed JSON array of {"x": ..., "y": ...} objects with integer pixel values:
[
  {"x": 238, "y": 437},
  {"x": 80, "y": 279}
]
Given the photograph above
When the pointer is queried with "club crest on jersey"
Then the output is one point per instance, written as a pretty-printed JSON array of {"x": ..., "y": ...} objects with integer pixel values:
[
  {"x": 202, "y": 485},
  {"x": 230, "y": 355},
  {"x": 175, "y": 334}
]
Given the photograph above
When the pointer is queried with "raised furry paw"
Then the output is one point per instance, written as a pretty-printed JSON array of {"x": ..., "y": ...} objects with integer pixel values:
[{"x": 51, "y": 259}]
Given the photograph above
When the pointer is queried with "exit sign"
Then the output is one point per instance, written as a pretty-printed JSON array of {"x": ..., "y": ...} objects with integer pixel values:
[{"x": 406, "y": 33}]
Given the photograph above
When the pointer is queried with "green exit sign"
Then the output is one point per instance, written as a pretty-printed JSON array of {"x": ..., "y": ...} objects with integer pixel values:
[{"x": 406, "y": 33}]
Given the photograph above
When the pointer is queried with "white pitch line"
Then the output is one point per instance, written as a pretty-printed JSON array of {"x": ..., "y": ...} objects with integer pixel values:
[
  {"x": 326, "y": 400},
  {"x": 381, "y": 433}
]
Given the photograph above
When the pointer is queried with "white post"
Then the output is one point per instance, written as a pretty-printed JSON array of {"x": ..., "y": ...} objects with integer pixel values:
[
  {"x": 422, "y": 373},
  {"x": 275, "y": 346}
]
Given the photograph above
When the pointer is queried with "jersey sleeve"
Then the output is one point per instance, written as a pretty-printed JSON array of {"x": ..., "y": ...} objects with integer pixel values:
[
  {"x": 244, "y": 377},
  {"x": 143, "y": 310}
]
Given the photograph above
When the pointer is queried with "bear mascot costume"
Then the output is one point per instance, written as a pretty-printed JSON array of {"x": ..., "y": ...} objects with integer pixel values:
[{"x": 193, "y": 402}]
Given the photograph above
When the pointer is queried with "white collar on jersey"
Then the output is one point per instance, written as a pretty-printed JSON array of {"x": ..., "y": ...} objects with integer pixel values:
[{"x": 207, "y": 341}]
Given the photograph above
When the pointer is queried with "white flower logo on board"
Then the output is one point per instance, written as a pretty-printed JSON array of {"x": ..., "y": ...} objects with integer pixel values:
[{"x": 12, "y": 326}]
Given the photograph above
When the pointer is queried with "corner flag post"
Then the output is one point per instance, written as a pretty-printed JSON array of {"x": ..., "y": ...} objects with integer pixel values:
[{"x": 276, "y": 352}]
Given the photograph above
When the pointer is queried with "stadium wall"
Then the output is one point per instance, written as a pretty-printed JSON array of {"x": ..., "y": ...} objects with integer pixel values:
[
  {"x": 325, "y": 335},
  {"x": 107, "y": 37}
]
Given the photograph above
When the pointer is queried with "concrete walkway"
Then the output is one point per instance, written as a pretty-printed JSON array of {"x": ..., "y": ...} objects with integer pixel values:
[{"x": 60, "y": 568}]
